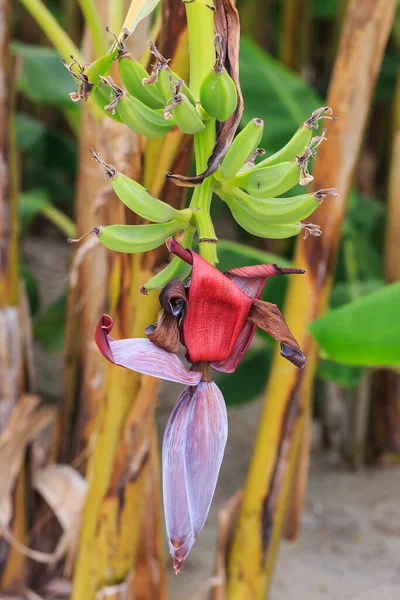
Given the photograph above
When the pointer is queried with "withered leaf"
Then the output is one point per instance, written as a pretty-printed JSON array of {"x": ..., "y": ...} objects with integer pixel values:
[
  {"x": 25, "y": 423},
  {"x": 268, "y": 317}
]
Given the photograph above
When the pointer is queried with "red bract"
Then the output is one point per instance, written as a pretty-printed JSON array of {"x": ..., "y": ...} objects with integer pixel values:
[
  {"x": 223, "y": 310},
  {"x": 216, "y": 319}
]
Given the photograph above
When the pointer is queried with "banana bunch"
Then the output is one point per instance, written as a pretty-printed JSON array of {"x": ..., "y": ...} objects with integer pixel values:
[
  {"x": 250, "y": 190},
  {"x": 139, "y": 238}
]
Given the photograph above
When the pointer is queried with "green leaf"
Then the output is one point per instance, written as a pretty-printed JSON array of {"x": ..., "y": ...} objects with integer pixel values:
[
  {"x": 249, "y": 379},
  {"x": 365, "y": 332},
  {"x": 343, "y": 375},
  {"x": 275, "y": 94},
  {"x": 31, "y": 204},
  {"x": 326, "y": 10},
  {"x": 344, "y": 292},
  {"x": 49, "y": 327},
  {"x": 29, "y": 132},
  {"x": 233, "y": 255},
  {"x": 43, "y": 79}
]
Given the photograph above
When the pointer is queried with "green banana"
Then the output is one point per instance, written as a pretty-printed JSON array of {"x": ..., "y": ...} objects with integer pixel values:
[
  {"x": 136, "y": 115},
  {"x": 177, "y": 268},
  {"x": 301, "y": 139},
  {"x": 218, "y": 94},
  {"x": 90, "y": 84},
  {"x": 244, "y": 144},
  {"x": 164, "y": 79},
  {"x": 132, "y": 74},
  {"x": 280, "y": 211},
  {"x": 136, "y": 238},
  {"x": 138, "y": 199},
  {"x": 268, "y": 181},
  {"x": 263, "y": 229},
  {"x": 183, "y": 112},
  {"x": 101, "y": 96}
]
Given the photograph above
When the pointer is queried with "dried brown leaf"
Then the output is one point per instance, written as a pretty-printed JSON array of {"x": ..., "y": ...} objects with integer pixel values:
[
  {"x": 268, "y": 317},
  {"x": 24, "y": 424},
  {"x": 64, "y": 490}
]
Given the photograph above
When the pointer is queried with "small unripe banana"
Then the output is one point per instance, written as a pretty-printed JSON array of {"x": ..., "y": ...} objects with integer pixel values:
[
  {"x": 177, "y": 268},
  {"x": 264, "y": 229},
  {"x": 136, "y": 115},
  {"x": 244, "y": 144},
  {"x": 136, "y": 238},
  {"x": 218, "y": 95},
  {"x": 301, "y": 139},
  {"x": 132, "y": 74},
  {"x": 90, "y": 85},
  {"x": 164, "y": 79},
  {"x": 101, "y": 96},
  {"x": 280, "y": 211},
  {"x": 268, "y": 181},
  {"x": 183, "y": 112},
  {"x": 138, "y": 199}
]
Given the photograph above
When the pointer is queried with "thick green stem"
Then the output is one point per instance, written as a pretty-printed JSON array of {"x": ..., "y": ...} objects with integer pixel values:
[
  {"x": 200, "y": 18},
  {"x": 53, "y": 30},
  {"x": 93, "y": 22}
]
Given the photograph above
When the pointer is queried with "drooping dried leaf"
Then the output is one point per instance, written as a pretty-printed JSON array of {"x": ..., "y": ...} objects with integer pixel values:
[
  {"x": 228, "y": 26},
  {"x": 25, "y": 422},
  {"x": 64, "y": 490},
  {"x": 268, "y": 317}
]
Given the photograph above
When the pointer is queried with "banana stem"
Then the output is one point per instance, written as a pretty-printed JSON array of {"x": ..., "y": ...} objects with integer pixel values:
[
  {"x": 53, "y": 30},
  {"x": 93, "y": 22},
  {"x": 200, "y": 18}
]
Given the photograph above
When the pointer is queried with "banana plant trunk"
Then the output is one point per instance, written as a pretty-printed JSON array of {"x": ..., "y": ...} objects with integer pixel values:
[
  {"x": 365, "y": 32},
  {"x": 15, "y": 369}
]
